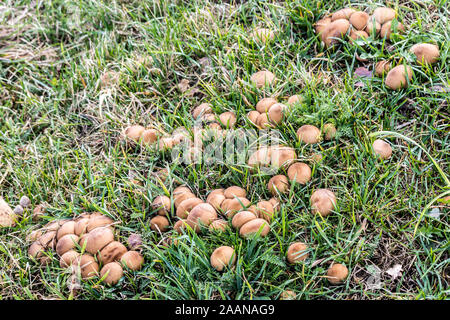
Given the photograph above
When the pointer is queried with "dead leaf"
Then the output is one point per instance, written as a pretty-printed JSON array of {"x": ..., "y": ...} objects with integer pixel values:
[
  {"x": 363, "y": 72},
  {"x": 184, "y": 86}
]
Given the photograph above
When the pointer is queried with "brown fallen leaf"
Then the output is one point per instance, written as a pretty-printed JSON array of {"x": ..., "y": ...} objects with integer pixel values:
[{"x": 184, "y": 86}]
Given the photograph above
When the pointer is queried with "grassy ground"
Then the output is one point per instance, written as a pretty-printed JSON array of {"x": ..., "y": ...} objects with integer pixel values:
[{"x": 60, "y": 144}]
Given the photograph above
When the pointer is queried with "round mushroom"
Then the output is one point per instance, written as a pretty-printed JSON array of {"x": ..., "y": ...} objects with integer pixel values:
[
  {"x": 68, "y": 258},
  {"x": 227, "y": 119},
  {"x": 223, "y": 257},
  {"x": 396, "y": 78},
  {"x": 426, "y": 53},
  {"x": 278, "y": 184},
  {"x": 159, "y": 223},
  {"x": 323, "y": 201},
  {"x": 112, "y": 272},
  {"x": 297, "y": 252},
  {"x": 382, "y": 67},
  {"x": 186, "y": 206},
  {"x": 299, "y": 172},
  {"x": 162, "y": 204},
  {"x": 308, "y": 134},
  {"x": 88, "y": 266},
  {"x": 253, "y": 227},
  {"x": 337, "y": 273},
  {"x": 98, "y": 238},
  {"x": 134, "y": 132},
  {"x": 66, "y": 243},
  {"x": 382, "y": 148},
  {"x": 111, "y": 252},
  {"x": 264, "y": 104},
  {"x": 240, "y": 218},
  {"x": 133, "y": 260},
  {"x": 263, "y": 78}
]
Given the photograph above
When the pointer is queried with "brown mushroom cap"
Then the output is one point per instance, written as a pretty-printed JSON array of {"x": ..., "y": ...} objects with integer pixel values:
[
  {"x": 149, "y": 136},
  {"x": 180, "y": 197},
  {"x": 278, "y": 183},
  {"x": 222, "y": 257},
  {"x": 228, "y": 119},
  {"x": 48, "y": 239},
  {"x": 263, "y": 121},
  {"x": 81, "y": 226},
  {"x": 329, "y": 130},
  {"x": 382, "y": 67},
  {"x": 297, "y": 252},
  {"x": 113, "y": 272},
  {"x": 180, "y": 226},
  {"x": 308, "y": 134},
  {"x": 162, "y": 204},
  {"x": 98, "y": 238},
  {"x": 111, "y": 252},
  {"x": 186, "y": 206},
  {"x": 276, "y": 113},
  {"x": 166, "y": 143},
  {"x": 282, "y": 156},
  {"x": 215, "y": 198},
  {"x": 253, "y": 116},
  {"x": 201, "y": 214},
  {"x": 231, "y": 206},
  {"x": 240, "y": 218},
  {"x": 299, "y": 172},
  {"x": 323, "y": 201},
  {"x": 357, "y": 34},
  {"x": 89, "y": 267},
  {"x": 218, "y": 225},
  {"x": 263, "y": 35},
  {"x": 345, "y": 13},
  {"x": 336, "y": 29},
  {"x": 373, "y": 27},
  {"x": 265, "y": 210},
  {"x": 253, "y": 226},
  {"x": 321, "y": 24},
  {"x": 66, "y": 228},
  {"x": 264, "y": 104},
  {"x": 263, "y": 78},
  {"x": 295, "y": 99},
  {"x": 66, "y": 243},
  {"x": 132, "y": 260},
  {"x": 68, "y": 258},
  {"x": 234, "y": 191},
  {"x": 37, "y": 251},
  {"x": 359, "y": 20},
  {"x": 98, "y": 221},
  {"x": 275, "y": 203},
  {"x": 337, "y": 273},
  {"x": 388, "y": 28},
  {"x": 261, "y": 157},
  {"x": 134, "y": 132},
  {"x": 159, "y": 223},
  {"x": 204, "y": 108},
  {"x": 426, "y": 53},
  {"x": 383, "y": 14},
  {"x": 34, "y": 235},
  {"x": 396, "y": 78},
  {"x": 382, "y": 148}
]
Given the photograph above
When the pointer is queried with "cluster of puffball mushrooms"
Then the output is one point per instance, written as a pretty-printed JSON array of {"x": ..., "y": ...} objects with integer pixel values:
[
  {"x": 86, "y": 245},
  {"x": 359, "y": 24}
]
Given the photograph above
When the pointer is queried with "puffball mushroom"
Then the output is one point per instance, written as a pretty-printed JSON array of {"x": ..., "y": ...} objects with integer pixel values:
[
  {"x": 357, "y": 34},
  {"x": 265, "y": 210},
  {"x": 113, "y": 272},
  {"x": 276, "y": 113},
  {"x": 241, "y": 218},
  {"x": 253, "y": 227},
  {"x": 68, "y": 258},
  {"x": 88, "y": 266},
  {"x": 7, "y": 215},
  {"x": 231, "y": 206},
  {"x": 98, "y": 238},
  {"x": 396, "y": 78},
  {"x": 297, "y": 252},
  {"x": 159, "y": 223},
  {"x": 382, "y": 148},
  {"x": 263, "y": 78},
  {"x": 426, "y": 53},
  {"x": 329, "y": 130},
  {"x": 282, "y": 156},
  {"x": 223, "y": 257},
  {"x": 388, "y": 28},
  {"x": 323, "y": 201},
  {"x": 178, "y": 198},
  {"x": 308, "y": 134},
  {"x": 66, "y": 243},
  {"x": 81, "y": 226},
  {"x": 201, "y": 214},
  {"x": 162, "y": 204},
  {"x": 132, "y": 260},
  {"x": 299, "y": 172},
  {"x": 337, "y": 273},
  {"x": 98, "y": 221},
  {"x": 218, "y": 225},
  {"x": 66, "y": 228},
  {"x": 264, "y": 104},
  {"x": 227, "y": 119},
  {"x": 204, "y": 108},
  {"x": 345, "y": 13},
  {"x": 234, "y": 191},
  {"x": 263, "y": 121},
  {"x": 336, "y": 29},
  {"x": 215, "y": 198},
  {"x": 382, "y": 67},
  {"x": 134, "y": 132},
  {"x": 149, "y": 136},
  {"x": 37, "y": 251},
  {"x": 47, "y": 239},
  {"x": 263, "y": 35},
  {"x": 278, "y": 183},
  {"x": 253, "y": 116},
  {"x": 295, "y": 99},
  {"x": 111, "y": 252},
  {"x": 180, "y": 225},
  {"x": 383, "y": 14},
  {"x": 186, "y": 206},
  {"x": 359, "y": 20},
  {"x": 373, "y": 27},
  {"x": 261, "y": 157},
  {"x": 321, "y": 24}
]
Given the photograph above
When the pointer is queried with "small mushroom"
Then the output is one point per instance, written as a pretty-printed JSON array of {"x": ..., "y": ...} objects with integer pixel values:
[
  {"x": 180, "y": 226},
  {"x": 265, "y": 210},
  {"x": 297, "y": 252},
  {"x": 159, "y": 223},
  {"x": 397, "y": 77},
  {"x": 112, "y": 272},
  {"x": 111, "y": 252},
  {"x": 240, "y": 218},
  {"x": 276, "y": 113},
  {"x": 383, "y": 14},
  {"x": 133, "y": 260},
  {"x": 218, "y": 225},
  {"x": 321, "y": 24},
  {"x": 299, "y": 172},
  {"x": 253, "y": 116},
  {"x": 382, "y": 67},
  {"x": 282, "y": 156},
  {"x": 134, "y": 132},
  {"x": 426, "y": 53},
  {"x": 149, "y": 136},
  {"x": 388, "y": 28},
  {"x": 162, "y": 204},
  {"x": 231, "y": 206},
  {"x": 66, "y": 243},
  {"x": 97, "y": 221},
  {"x": 98, "y": 238},
  {"x": 373, "y": 27},
  {"x": 337, "y": 273},
  {"x": 253, "y": 227},
  {"x": 295, "y": 99},
  {"x": 382, "y": 148},
  {"x": 88, "y": 266},
  {"x": 278, "y": 184},
  {"x": 215, "y": 198},
  {"x": 66, "y": 228},
  {"x": 234, "y": 191},
  {"x": 323, "y": 201},
  {"x": 345, "y": 13},
  {"x": 228, "y": 119},
  {"x": 263, "y": 78},
  {"x": 204, "y": 108},
  {"x": 186, "y": 206},
  {"x": 201, "y": 214},
  {"x": 336, "y": 29},
  {"x": 68, "y": 258},
  {"x": 359, "y": 20},
  {"x": 223, "y": 257},
  {"x": 264, "y": 104},
  {"x": 308, "y": 134}
]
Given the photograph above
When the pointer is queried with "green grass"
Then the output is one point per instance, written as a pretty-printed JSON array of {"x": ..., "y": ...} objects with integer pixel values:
[{"x": 60, "y": 143}]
